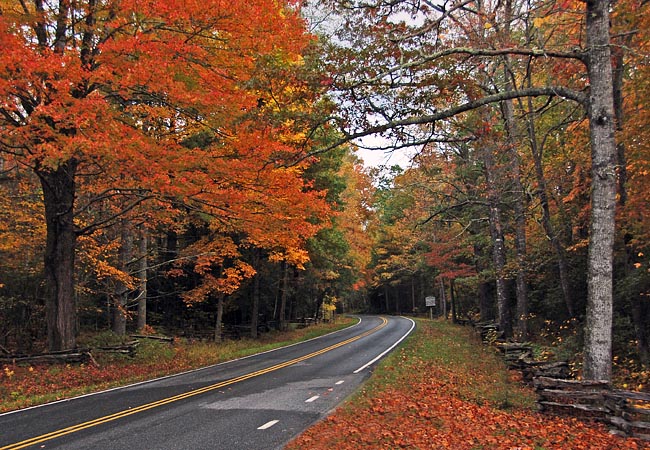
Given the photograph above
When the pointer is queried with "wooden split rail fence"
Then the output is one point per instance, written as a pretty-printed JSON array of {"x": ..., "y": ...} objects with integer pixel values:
[
  {"x": 626, "y": 412},
  {"x": 75, "y": 356}
]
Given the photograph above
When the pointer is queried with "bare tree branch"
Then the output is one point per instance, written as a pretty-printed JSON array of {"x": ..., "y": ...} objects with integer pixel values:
[
  {"x": 551, "y": 91},
  {"x": 469, "y": 51}
]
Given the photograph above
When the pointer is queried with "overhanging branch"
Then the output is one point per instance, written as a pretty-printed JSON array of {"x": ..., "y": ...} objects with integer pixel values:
[{"x": 550, "y": 91}]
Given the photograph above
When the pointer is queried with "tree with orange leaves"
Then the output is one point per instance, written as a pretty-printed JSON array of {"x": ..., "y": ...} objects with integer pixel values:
[{"x": 97, "y": 99}]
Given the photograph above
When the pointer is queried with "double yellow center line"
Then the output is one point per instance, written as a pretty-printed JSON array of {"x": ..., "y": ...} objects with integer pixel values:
[{"x": 175, "y": 398}]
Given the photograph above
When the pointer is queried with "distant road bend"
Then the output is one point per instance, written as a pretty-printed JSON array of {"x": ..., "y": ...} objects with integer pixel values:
[{"x": 258, "y": 402}]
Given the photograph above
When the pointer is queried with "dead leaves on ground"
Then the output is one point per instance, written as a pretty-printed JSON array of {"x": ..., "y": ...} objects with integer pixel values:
[{"x": 435, "y": 407}]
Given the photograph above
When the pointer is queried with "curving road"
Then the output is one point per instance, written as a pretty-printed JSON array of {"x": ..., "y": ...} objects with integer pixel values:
[{"x": 258, "y": 402}]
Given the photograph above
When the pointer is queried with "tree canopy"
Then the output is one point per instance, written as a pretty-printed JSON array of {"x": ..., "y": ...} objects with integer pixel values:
[{"x": 196, "y": 161}]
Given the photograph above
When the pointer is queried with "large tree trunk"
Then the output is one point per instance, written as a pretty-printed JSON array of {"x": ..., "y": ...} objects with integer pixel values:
[
  {"x": 58, "y": 198},
  {"x": 598, "y": 330}
]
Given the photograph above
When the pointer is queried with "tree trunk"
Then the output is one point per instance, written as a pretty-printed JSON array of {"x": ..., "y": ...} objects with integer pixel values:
[
  {"x": 640, "y": 319},
  {"x": 255, "y": 310},
  {"x": 122, "y": 290},
  {"x": 320, "y": 299},
  {"x": 485, "y": 303},
  {"x": 218, "y": 326},
  {"x": 542, "y": 194},
  {"x": 598, "y": 330},
  {"x": 142, "y": 296},
  {"x": 443, "y": 299},
  {"x": 283, "y": 298},
  {"x": 413, "y": 294},
  {"x": 397, "y": 308},
  {"x": 520, "y": 221},
  {"x": 454, "y": 306},
  {"x": 513, "y": 137},
  {"x": 58, "y": 198},
  {"x": 498, "y": 250},
  {"x": 639, "y": 305}
]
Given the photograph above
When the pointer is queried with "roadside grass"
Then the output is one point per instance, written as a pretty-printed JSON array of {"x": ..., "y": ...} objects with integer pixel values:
[
  {"x": 470, "y": 370},
  {"x": 443, "y": 389},
  {"x": 22, "y": 386}
]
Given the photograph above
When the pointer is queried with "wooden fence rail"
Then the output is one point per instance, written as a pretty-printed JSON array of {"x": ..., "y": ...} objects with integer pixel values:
[
  {"x": 627, "y": 413},
  {"x": 75, "y": 356}
]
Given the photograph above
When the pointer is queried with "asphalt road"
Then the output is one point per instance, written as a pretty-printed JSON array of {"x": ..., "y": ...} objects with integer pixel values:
[{"x": 258, "y": 402}]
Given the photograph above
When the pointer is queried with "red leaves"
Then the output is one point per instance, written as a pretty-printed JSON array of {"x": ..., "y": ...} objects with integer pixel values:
[
  {"x": 449, "y": 422},
  {"x": 436, "y": 408}
]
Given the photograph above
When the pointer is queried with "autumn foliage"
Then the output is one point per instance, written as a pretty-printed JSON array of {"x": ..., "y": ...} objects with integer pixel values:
[
  {"x": 499, "y": 212},
  {"x": 131, "y": 119}
]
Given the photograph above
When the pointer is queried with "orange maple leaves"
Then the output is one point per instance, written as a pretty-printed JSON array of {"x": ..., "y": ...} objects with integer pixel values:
[{"x": 123, "y": 88}]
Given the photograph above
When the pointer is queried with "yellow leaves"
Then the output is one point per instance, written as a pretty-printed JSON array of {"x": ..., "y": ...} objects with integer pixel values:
[
  {"x": 538, "y": 22},
  {"x": 297, "y": 257},
  {"x": 8, "y": 372}
]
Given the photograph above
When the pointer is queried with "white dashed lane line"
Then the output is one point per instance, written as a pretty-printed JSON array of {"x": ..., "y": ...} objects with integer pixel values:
[{"x": 268, "y": 425}]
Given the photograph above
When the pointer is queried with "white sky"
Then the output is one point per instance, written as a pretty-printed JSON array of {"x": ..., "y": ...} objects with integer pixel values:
[
  {"x": 386, "y": 158},
  {"x": 377, "y": 158},
  {"x": 325, "y": 22}
]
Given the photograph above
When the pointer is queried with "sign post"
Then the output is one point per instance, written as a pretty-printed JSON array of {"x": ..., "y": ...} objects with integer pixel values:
[{"x": 430, "y": 302}]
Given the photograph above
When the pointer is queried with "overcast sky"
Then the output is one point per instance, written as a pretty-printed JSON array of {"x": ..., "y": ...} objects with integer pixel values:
[{"x": 387, "y": 158}]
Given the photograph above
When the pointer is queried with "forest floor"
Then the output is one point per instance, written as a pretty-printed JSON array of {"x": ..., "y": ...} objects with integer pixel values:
[
  {"x": 22, "y": 386},
  {"x": 444, "y": 389}
]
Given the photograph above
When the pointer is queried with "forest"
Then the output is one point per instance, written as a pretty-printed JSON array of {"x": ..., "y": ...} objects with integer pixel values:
[{"x": 191, "y": 167}]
